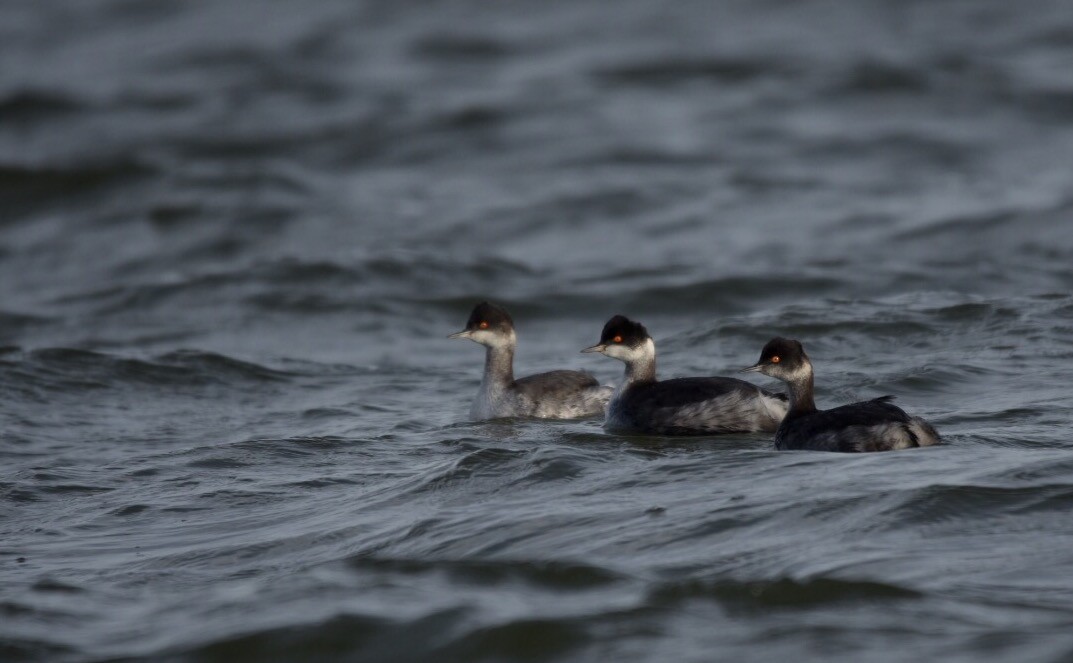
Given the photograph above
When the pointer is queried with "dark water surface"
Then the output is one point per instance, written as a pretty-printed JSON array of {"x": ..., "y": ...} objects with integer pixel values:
[{"x": 233, "y": 236}]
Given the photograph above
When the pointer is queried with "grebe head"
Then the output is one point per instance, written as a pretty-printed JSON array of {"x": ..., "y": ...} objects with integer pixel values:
[
  {"x": 625, "y": 340},
  {"x": 783, "y": 359},
  {"x": 489, "y": 325}
]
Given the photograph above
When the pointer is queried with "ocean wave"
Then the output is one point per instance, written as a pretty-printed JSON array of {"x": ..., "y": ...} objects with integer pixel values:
[
  {"x": 550, "y": 574},
  {"x": 71, "y": 369},
  {"x": 782, "y": 594},
  {"x": 462, "y": 47},
  {"x": 26, "y": 187},
  {"x": 31, "y": 105},
  {"x": 960, "y": 506},
  {"x": 666, "y": 71},
  {"x": 878, "y": 76},
  {"x": 297, "y": 286},
  {"x": 446, "y": 635}
]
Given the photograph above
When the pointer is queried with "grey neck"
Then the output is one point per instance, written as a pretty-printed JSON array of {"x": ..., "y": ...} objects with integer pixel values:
[
  {"x": 641, "y": 370},
  {"x": 499, "y": 365},
  {"x": 800, "y": 389}
]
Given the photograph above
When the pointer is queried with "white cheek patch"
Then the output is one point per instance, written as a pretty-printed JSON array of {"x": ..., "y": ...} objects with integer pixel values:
[
  {"x": 780, "y": 373},
  {"x": 618, "y": 351},
  {"x": 646, "y": 351},
  {"x": 800, "y": 373},
  {"x": 492, "y": 339}
]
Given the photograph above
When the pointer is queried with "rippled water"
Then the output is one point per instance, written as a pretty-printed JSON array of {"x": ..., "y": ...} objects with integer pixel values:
[{"x": 234, "y": 235}]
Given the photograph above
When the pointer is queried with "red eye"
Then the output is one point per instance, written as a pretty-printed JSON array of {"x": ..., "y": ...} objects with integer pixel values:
[
  {"x": 483, "y": 325},
  {"x": 617, "y": 339},
  {"x": 775, "y": 359}
]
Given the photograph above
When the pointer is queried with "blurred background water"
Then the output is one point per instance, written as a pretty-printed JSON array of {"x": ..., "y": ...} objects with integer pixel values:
[{"x": 234, "y": 234}]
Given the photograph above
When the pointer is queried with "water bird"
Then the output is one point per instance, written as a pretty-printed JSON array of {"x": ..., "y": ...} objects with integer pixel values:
[
  {"x": 875, "y": 425},
  {"x": 681, "y": 406},
  {"x": 551, "y": 395}
]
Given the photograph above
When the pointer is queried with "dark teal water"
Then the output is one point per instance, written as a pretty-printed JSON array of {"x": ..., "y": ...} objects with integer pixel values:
[{"x": 234, "y": 235}]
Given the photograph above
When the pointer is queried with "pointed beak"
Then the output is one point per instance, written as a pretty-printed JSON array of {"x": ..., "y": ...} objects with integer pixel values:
[
  {"x": 465, "y": 333},
  {"x": 755, "y": 368},
  {"x": 599, "y": 347}
]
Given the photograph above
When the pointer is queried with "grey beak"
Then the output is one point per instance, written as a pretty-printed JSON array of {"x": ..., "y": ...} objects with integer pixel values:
[
  {"x": 465, "y": 333},
  {"x": 599, "y": 347},
  {"x": 755, "y": 368}
]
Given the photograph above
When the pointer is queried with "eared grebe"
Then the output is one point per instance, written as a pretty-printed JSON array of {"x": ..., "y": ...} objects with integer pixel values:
[
  {"x": 683, "y": 406},
  {"x": 553, "y": 395},
  {"x": 874, "y": 425}
]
